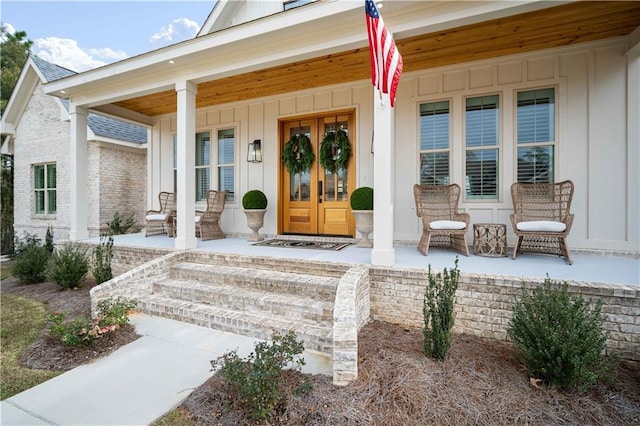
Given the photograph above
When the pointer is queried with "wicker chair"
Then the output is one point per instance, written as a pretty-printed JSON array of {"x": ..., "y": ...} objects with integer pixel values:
[
  {"x": 442, "y": 225},
  {"x": 541, "y": 219},
  {"x": 161, "y": 221},
  {"x": 208, "y": 222}
]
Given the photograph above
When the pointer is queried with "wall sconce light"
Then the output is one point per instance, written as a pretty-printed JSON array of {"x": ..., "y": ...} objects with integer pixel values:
[{"x": 254, "y": 154}]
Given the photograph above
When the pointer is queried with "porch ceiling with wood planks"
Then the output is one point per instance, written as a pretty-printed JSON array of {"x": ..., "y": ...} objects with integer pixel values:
[{"x": 564, "y": 25}]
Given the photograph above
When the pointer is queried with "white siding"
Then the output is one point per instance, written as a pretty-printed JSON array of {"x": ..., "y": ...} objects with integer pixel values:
[{"x": 590, "y": 81}]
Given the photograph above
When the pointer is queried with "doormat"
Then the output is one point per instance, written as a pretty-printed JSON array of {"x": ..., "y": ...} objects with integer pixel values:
[{"x": 307, "y": 244}]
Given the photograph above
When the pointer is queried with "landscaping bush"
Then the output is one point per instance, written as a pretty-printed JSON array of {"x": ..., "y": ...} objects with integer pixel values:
[
  {"x": 121, "y": 225},
  {"x": 30, "y": 260},
  {"x": 560, "y": 337},
  {"x": 255, "y": 380},
  {"x": 48, "y": 240},
  {"x": 115, "y": 311},
  {"x": 68, "y": 266},
  {"x": 101, "y": 262},
  {"x": 439, "y": 298},
  {"x": 81, "y": 331}
]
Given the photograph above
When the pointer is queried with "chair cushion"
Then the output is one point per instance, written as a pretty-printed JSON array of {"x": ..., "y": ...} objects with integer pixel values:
[
  {"x": 541, "y": 226},
  {"x": 197, "y": 219},
  {"x": 447, "y": 224},
  {"x": 156, "y": 217}
]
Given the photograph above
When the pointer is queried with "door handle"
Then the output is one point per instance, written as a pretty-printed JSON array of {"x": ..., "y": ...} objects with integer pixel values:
[{"x": 320, "y": 192}]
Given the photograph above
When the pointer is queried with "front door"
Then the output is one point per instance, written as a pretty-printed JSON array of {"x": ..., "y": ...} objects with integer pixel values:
[{"x": 316, "y": 202}]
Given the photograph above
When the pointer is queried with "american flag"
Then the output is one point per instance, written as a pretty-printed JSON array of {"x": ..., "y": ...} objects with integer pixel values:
[{"x": 386, "y": 62}]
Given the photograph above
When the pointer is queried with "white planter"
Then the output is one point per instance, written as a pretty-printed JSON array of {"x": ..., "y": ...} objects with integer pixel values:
[
  {"x": 255, "y": 221},
  {"x": 364, "y": 225}
]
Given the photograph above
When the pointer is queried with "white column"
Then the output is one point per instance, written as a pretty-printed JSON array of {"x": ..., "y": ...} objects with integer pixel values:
[
  {"x": 383, "y": 181},
  {"x": 78, "y": 173},
  {"x": 186, "y": 180},
  {"x": 633, "y": 137}
]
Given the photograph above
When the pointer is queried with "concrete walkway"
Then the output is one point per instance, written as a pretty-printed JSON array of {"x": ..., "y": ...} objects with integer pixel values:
[{"x": 139, "y": 382}]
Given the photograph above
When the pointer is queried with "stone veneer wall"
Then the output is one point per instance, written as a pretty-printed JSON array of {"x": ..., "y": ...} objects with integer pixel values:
[
  {"x": 122, "y": 185},
  {"x": 351, "y": 311},
  {"x": 484, "y": 305}
]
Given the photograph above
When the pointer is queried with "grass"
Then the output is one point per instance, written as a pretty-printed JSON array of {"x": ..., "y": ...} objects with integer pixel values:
[
  {"x": 175, "y": 417},
  {"x": 22, "y": 320},
  {"x": 5, "y": 270}
]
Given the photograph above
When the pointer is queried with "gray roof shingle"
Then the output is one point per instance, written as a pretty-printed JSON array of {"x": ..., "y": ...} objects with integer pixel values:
[{"x": 100, "y": 125}]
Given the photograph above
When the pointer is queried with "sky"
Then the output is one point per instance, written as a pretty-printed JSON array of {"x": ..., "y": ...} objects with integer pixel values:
[{"x": 81, "y": 35}]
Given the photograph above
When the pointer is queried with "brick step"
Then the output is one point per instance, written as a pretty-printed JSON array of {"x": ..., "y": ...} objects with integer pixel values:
[
  {"x": 291, "y": 307},
  {"x": 315, "y": 337},
  {"x": 312, "y": 286}
]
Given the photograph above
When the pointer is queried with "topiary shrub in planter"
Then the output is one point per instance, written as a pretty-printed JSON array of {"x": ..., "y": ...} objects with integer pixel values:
[
  {"x": 254, "y": 203},
  {"x": 254, "y": 199},
  {"x": 362, "y": 198},
  {"x": 362, "y": 208}
]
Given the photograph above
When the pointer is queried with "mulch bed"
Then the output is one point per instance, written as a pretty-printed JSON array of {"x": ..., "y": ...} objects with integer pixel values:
[
  {"x": 47, "y": 353},
  {"x": 480, "y": 382}
]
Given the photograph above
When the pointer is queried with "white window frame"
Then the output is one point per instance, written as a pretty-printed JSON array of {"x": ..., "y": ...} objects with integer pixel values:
[
  {"x": 497, "y": 147},
  {"x": 232, "y": 198},
  {"x": 203, "y": 167},
  {"x": 556, "y": 131},
  {"x": 448, "y": 150},
  {"x": 45, "y": 190}
]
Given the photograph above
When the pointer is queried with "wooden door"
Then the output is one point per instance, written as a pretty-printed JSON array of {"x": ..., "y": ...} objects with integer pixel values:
[{"x": 317, "y": 202}]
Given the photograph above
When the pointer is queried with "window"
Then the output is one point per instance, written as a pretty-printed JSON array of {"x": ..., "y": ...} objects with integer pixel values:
[
  {"x": 226, "y": 160},
  {"x": 481, "y": 144},
  {"x": 290, "y": 4},
  {"x": 44, "y": 184},
  {"x": 203, "y": 165},
  {"x": 434, "y": 143},
  {"x": 536, "y": 135}
]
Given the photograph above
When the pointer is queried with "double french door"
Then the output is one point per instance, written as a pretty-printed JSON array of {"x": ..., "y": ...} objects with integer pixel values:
[{"x": 316, "y": 202}]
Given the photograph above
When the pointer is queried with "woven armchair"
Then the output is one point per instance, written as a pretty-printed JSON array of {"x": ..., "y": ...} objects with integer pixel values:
[
  {"x": 161, "y": 221},
  {"x": 541, "y": 217},
  {"x": 208, "y": 221},
  {"x": 442, "y": 224}
]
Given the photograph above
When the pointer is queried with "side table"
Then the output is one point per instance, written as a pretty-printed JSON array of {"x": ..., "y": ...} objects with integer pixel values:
[{"x": 490, "y": 239}]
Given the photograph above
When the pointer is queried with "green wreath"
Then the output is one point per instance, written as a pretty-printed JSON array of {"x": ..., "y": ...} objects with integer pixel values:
[
  {"x": 297, "y": 154},
  {"x": 335, "y": 151}
]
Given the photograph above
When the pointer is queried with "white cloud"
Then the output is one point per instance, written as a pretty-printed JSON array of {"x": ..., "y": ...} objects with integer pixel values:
[
  {"x": 9, "y": 29},
  {"x": 178, "y": 30},
  {"x": 66, "y": 53}
]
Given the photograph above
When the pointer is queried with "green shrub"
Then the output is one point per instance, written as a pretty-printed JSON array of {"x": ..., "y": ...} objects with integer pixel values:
[
  {"x": 48, "y": 240},
  {"x": 101, "y": 262},
  {"x": 560, "y": 337},
  {"x": 30, "y": 264},
  {"x": 115, "y": 311},
  {"x": 68, "y": 266},
  {"x": 254, "y": 380},
  {"x": 120, "y": 225},
  {"x": 439, "y": 298},
  {"x": 362, "y": 198},
  {"x": 80, "y": 331},
  {"x": 21, "y": 244},
  {"x": 254, "y": 199}
]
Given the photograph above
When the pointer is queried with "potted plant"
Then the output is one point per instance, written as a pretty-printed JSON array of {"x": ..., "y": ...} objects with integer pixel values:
[
  {"x": 362, "y": 208},
  {"x": 254, "y": 203}
]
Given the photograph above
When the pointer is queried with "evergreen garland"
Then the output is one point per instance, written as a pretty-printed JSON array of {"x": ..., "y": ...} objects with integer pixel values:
[
  {"x": 335, "y": 151},
  {"x": 297, "y": 154}
]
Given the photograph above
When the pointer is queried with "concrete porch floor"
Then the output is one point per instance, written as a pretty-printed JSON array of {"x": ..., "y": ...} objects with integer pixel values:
[{"x": 589, "y": 268}]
